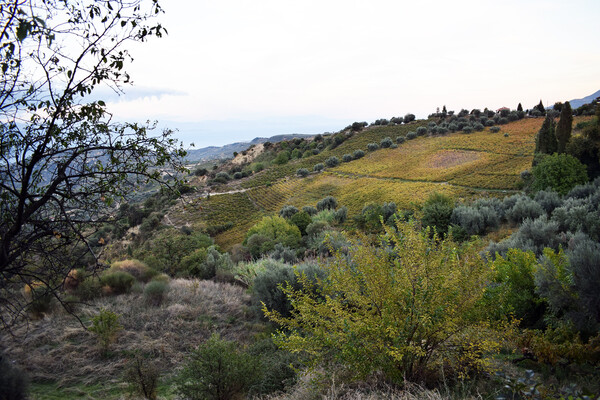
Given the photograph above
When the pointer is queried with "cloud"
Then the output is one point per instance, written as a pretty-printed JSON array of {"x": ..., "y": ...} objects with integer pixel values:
[{"x": 133, "y": 93}]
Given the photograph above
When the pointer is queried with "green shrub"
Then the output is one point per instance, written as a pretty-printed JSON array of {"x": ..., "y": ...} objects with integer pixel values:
[
  {"x": 310, "y": 210},
  {"x": 302, "y": 172},
  {"x": 495, "y": 129},
  {"x": 136, "y": 268},
  {"x": 341, "y": 214},
  {"x": 266, "y": 288},
  {"x": 421, "y": 131},
  {"x": 400, "y": 139},
  {"x": 119, "y": 282},
  {"x": 372, "y": 146},
  {"x": 301, "y": 219},
  {"x": 161, "y": 278},
  {"x": 283, "y": 254},
  {"x": 525, "y": 207},
  {"x": 358, "y": 154},
  {"x": 559, "y": 172},
  {"x": 288, "y": 212},
  {"x": 549, "y": 200},
  {"x": 332, "y": 161},
  {"x": 258, "y": 167},
  {"x": 282, "y": 158},
  {"x": 89, "y": 289},
  {"x": 106, "y": 326},
  {"x": 513, "y": 290},
  {"x": 347, "y": 158},
  {"x": 437, "y": 212},
  {"x": 155, "y": 292},
  {"x": 326, "y": 215},
  {"x": 222, "y": 177},
  {"x": 327, "y": 203},
  {"x": 314, "y": 228},
  {"x": 411, "y": 135},
  {"x": 318, "y": 167},
  {"x": 263, "y": 236},
  {"x": 13, "y": 383},
  {"x": 279, "y": 367},
  {"x": 218, "y": 370},
  {"x": 386, "y": 143}
]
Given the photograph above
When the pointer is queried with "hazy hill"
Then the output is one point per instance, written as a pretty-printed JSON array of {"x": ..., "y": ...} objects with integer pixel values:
[
  {"x": 217, "y": 153},
  {"x": 576, "y": 103}
]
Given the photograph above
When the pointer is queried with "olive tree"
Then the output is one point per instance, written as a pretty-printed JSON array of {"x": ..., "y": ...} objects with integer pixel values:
[{"x": 64, "y": 162}]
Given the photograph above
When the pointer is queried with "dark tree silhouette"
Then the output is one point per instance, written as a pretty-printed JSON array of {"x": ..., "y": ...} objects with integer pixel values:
[
  {"x": 564, "y": 127},
  {"x": 64, "y": 164}
]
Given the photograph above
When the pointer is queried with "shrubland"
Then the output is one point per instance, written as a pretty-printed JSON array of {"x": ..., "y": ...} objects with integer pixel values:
[{"x": 368, "y": 277}]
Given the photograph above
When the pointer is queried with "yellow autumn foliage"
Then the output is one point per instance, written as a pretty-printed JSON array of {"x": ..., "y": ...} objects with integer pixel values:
[{"x": 407, "y": 306}]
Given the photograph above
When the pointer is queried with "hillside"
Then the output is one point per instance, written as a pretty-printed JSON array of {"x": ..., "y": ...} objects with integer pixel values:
[
  {"x": 462, "y": 165},
  {"x": 171, "y": 290},
  {"x": 223, "y": 152},
  {"x": 575, "y": 103}
]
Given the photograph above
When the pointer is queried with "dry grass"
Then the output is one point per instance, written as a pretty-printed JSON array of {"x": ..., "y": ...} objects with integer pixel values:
[
  {"x": 58, "y": 348},
  {"x": 326, "y": 387}
]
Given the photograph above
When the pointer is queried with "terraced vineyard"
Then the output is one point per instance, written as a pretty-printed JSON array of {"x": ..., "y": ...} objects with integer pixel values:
[
  {"x": 219, "y": 210},
  {"x": 358, "y": 141},
  {"x": 481, "y": 160},
  {"x": 462, "y": 166},
  {"x": 272, "y": 198}
]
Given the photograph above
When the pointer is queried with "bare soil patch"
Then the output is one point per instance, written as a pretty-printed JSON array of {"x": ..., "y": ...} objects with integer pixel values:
[{"x": 452, "y": 158}]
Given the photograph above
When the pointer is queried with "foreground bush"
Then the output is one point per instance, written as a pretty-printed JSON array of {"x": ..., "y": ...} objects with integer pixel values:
[
  {"x": 218, "y": 370},
  {"x": 406, "y": 310}
]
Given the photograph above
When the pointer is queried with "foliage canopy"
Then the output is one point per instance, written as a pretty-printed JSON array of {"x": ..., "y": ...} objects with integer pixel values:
[
  {"x": 404, "y": 308},
  {"x": 63, "y": 161}
]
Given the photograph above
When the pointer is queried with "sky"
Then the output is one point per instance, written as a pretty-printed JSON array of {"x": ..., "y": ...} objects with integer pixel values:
[{"x": 232, "y": 70}]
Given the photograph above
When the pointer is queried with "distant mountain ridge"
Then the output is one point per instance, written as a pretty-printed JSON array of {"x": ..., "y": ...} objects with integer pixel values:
[
  {"x": 216, "y": 153},
  {"x": 576, "y": 103}
]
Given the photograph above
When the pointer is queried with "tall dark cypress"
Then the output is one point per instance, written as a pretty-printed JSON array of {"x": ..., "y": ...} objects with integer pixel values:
[
  {"x": 564, "y": 127},
  {"x": 519, "y": 107},
  {"x": 540, "y": 107},
  {"x": 545, "y": 141}
]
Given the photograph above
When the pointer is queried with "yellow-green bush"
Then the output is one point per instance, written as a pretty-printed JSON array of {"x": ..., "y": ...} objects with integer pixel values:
[
  {"x": 406, "y": 309},
  {"x": 136, "y": 268}
]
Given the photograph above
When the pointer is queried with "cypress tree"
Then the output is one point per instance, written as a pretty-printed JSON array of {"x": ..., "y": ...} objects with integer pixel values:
[
  {"x": 540, "y": 107},
  {"x": 545, "y": 141},
  {"x": 519, "y": 107},
  {"x": 564, "y": 127}
]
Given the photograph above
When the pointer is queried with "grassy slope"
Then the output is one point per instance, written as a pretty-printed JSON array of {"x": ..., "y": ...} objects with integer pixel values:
[
  {"x": 463, "y": 166},
  {"x": 65, "y": 362}
]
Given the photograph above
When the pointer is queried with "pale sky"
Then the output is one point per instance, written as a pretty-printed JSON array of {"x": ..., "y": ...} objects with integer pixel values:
[{"x": 231, "y": 70}]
